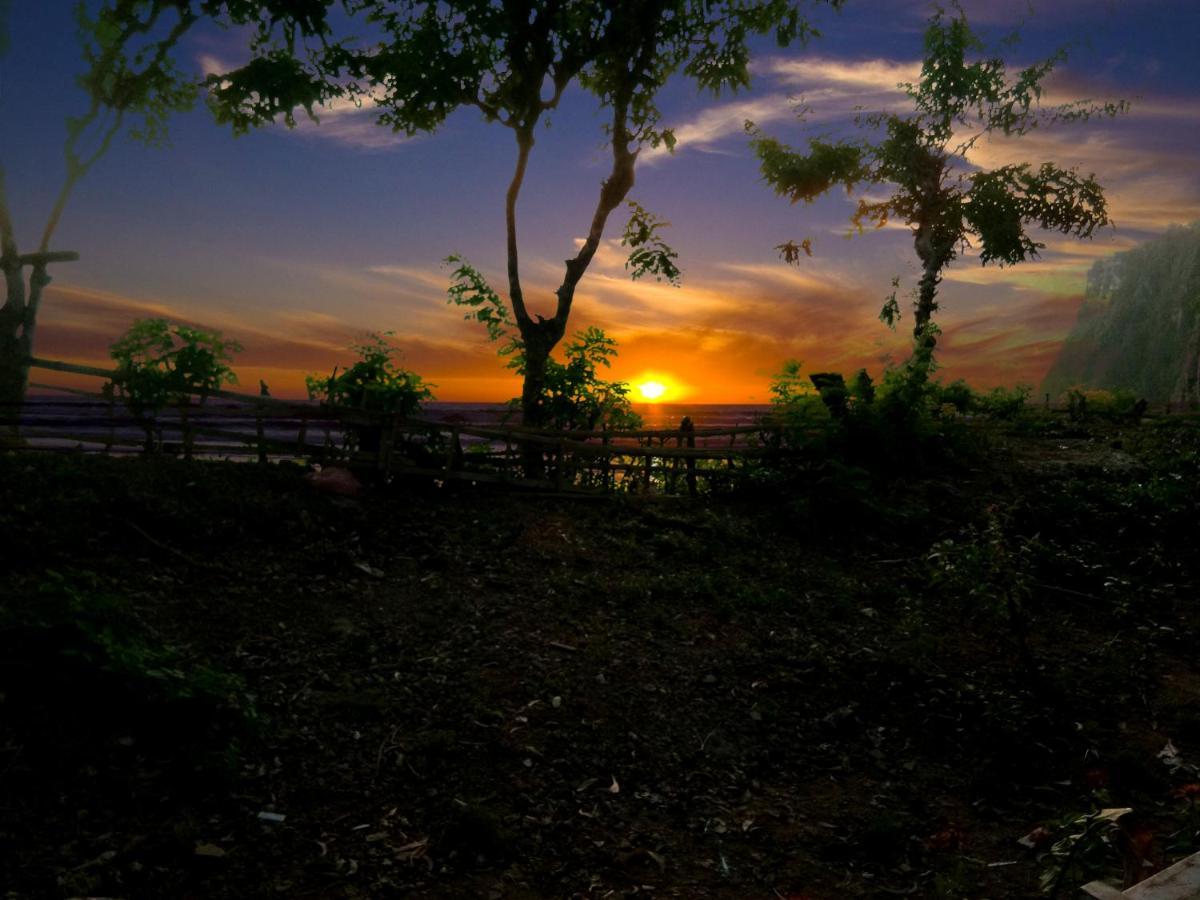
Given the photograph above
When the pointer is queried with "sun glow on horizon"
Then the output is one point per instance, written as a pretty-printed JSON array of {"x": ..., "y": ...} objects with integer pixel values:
[
  {"x": 651, "y": 391},
  {"x": 656, "y": 387}
]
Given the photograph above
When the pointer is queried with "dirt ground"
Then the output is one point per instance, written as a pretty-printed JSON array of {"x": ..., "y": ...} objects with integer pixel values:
[{"x": 819, "y": 691}]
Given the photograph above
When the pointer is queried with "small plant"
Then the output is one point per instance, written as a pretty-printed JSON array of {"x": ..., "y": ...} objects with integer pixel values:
[
  {"x": 987, "y": 572},
  {"x": 78, "y": 654},
  {"x": 1086, "y": 851},
  {"x": 373, "y": 383}
]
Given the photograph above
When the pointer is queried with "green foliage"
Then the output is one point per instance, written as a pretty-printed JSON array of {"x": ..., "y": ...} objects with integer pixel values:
[
  {"x": 374, "y": 383},
  {"x": 1084, "y": 853},
  {"x": 77, "y": 633},
  {"x": 789, "y": 385},
  {"x": 982, "y": 571},
  {"x": 1139, "y": 323},
  {"x": 889, "y": 314},
  {"x": 1083, "y": 404},
  {"x": 907, "y": 395},
  {"x": 574, "y": 397},
  {"x": 1003, "y": 403},
  {"x": 425, "y": 60},
  {"x": 469, "y": 289},
  {"x": 862, "y": 388},
  {"x": 649, "y": 254},
  {"x": 5, "y": 15},
  {"x": 923, "y": 157},
  {"x": 127, "y": 49},
  {"x": 158, "y": 363}
]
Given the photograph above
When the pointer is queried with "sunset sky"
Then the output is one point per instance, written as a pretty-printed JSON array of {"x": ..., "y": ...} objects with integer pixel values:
[{"x": 297, "y": 242}]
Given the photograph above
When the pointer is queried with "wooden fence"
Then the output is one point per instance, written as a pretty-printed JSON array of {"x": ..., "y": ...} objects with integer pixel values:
[{"x": 232, "y": 425}]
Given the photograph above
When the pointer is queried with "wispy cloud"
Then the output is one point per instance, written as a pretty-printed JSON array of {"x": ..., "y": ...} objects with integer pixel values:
[
  {"x": 708, "y": 128},
  {"x": 858, "y": 77}
]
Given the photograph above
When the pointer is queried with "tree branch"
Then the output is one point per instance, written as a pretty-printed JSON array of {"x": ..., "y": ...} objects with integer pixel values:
[
  {"x": 614, "y": 189},
  {"x": 516, "y": 296},
  {"x": 13, "y": 310}
]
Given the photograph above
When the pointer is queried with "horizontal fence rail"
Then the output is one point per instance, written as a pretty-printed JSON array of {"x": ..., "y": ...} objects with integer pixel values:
[
  {"x": 239, "y": 426},
  {"x": 232, "y": 425}
]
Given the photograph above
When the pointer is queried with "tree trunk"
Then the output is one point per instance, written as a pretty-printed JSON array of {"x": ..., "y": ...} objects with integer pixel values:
[
  {"x": 18, "y": 321},
  {"x": 533, "y": 389}
]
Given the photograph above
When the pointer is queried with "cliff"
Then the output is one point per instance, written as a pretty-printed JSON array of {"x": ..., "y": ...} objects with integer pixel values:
[{"x": 1139, "y": 325}]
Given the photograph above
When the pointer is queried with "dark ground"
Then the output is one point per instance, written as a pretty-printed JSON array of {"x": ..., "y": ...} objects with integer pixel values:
[{"x": 460, "y": 694}]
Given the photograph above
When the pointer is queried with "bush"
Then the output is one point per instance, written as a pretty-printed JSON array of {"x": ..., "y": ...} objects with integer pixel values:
[
  {"x": 158, "y": 363},
  {"x": 374, "y": 383},
  {"x": 1084, "y": 404},
  {"x": 576, "y": 398},
  {"x": 1003, "y": 403}
]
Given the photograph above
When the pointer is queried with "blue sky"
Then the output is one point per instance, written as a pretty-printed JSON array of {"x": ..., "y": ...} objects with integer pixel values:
[{"x": 295, "y": 242}]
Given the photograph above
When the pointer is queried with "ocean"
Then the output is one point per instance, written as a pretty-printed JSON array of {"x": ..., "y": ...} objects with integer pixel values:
[{"x": 654, "y": 415}]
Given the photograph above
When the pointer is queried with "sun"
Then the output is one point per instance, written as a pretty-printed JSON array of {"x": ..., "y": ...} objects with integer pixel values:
[{"x": 651, "y": 391}]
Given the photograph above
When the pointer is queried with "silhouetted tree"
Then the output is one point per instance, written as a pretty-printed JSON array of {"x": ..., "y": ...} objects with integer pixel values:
[
  {"x": 922, "y": 156},
  {"x": 512, "y": 60},
  {"x": 130, "y": 79}
]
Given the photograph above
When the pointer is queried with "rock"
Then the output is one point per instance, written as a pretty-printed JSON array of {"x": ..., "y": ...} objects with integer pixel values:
[{"x": 335, "y": 480}]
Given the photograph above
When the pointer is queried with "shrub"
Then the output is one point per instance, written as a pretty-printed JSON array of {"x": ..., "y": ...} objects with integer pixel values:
[
  {"x": 959, "y": 395},
  {"x": 1084, "y": 404},
  {"x": 373, "y": 383},
  {"x": 158, "y": 363},
  {"x": 576, "y": 398},
  {"x": 797, "y": 406},
  {"x": 1003, "y": 403}
]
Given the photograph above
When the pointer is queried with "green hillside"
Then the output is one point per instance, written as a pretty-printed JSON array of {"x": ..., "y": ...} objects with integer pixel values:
[{"x": 1139, "y": 326}]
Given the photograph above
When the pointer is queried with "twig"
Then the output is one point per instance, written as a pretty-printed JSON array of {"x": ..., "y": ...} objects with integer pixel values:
[
  {"x": 209, "y": 567},
  {"x": 1062, "y": 590},
  {"x": 559, "y": 646}
]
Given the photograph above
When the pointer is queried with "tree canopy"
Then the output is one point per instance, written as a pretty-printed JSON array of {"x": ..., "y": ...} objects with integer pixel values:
[
  {"x": 923, "y": 155},
  {"x": 512, "y": 60}
]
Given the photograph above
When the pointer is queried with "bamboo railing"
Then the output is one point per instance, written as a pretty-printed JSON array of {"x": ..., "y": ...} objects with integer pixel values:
[{"x": 232, "y": 425}]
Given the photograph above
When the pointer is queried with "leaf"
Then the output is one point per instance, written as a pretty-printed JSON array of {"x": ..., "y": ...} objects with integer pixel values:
[
  {"x": 789, "y": 251},
  {"x": 614, "y": 788},
  {"x": 209, "y": 850}
]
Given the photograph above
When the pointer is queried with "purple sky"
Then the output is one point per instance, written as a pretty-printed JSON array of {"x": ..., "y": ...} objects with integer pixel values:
[{"x": 296, "y": 242}]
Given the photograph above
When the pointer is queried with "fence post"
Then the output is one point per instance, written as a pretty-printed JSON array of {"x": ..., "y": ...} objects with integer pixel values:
[
  {"x": 185, "y": 424},
  {"x": 259, "y": 431},
  {"x": 605, "y": 461},
  {"x": 387, "y": 445},
  {"x": 451, "y": 450},
  {"x": 560, "y": 460},
  {"x": 649, "y": 464},
  {"x": 689, "y": 429},
  {"x": 111, "y": 393},
  {"x": 302, "y": 435}
]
